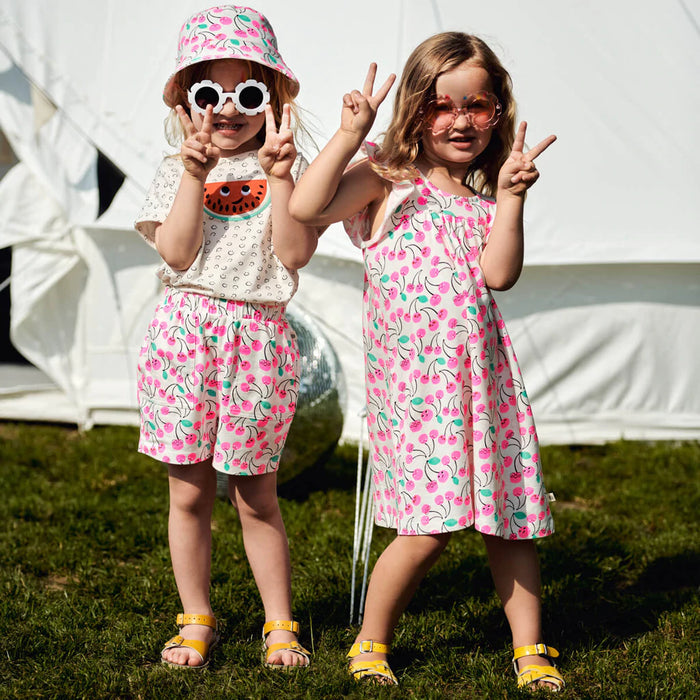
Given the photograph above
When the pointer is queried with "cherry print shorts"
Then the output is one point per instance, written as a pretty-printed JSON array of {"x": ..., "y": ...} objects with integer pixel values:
[{"x": 217, "y": 378}]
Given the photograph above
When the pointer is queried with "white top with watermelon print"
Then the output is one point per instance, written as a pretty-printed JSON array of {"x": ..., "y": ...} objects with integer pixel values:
[{"x": 236, "y": 260}]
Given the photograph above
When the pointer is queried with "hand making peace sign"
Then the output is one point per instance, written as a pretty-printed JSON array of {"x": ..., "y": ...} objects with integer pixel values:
[
  {"x": 519, "y": 173},
  {"x": 198, "y": 153},
  {"x": 360, "y": 108},
  {"x": 277, "y": 154}
]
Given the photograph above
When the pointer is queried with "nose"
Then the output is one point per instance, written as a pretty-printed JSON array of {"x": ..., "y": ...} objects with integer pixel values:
[
  {"x": 463, "y": 118},
  {"x": 229, "y": 107}
]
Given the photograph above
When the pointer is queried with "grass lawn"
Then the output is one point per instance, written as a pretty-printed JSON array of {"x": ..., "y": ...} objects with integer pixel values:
[{"x": 88, "y": 597}]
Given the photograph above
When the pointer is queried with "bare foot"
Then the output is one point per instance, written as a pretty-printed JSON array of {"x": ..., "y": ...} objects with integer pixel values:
[
  {"x": 282, "y": 657},
  {"x": 184, "y": 656},
  {"x": 373, "y": 656},
  {"x": 537, "y": 661}
]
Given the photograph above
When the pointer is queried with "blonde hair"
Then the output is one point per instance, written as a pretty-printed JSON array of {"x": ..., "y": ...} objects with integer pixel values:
[
  {"x": 280, "y": 87},
  {"x": 402, "y": 141}
]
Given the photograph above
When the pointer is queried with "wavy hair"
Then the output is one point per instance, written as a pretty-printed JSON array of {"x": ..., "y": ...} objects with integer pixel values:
[
  {"x": 402, "y": 142},
  {"x": 279, "y": 86}
]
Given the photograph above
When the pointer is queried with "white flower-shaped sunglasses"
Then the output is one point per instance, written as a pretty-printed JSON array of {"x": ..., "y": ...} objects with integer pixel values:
[{"x": 249, "y": 97}]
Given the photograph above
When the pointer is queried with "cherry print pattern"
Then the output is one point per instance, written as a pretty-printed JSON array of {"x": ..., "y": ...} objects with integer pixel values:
[
  {"x": 217, "y": 378},
  {"x": 452, "y": 438}
]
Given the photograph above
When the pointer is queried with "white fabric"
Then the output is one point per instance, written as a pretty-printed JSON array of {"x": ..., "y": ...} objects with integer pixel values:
[
  {"x": 605, "y": 318},
  {"x": 236, "y": 259}
]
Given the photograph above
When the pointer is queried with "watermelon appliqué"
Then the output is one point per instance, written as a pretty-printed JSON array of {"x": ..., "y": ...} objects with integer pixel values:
[{"x": 237, "y": 199}]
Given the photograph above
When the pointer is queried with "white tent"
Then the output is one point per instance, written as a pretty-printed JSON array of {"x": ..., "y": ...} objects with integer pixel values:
[{"x": 606, "y": 316}]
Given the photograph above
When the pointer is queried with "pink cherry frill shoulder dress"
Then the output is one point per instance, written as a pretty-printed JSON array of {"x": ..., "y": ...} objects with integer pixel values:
[{"x": 452, "y": 439}]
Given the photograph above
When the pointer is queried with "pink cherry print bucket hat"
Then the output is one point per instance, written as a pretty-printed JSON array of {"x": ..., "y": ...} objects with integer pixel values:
[{"x": 227, "y": 31}]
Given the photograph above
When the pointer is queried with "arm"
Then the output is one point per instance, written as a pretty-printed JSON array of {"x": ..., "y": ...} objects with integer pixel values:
[
  {"x": 179, "y": 237},
  {"x": 294, "y": 242},
  {"x": 502, "y": 259},
  {"x": 326, "y": 193}
]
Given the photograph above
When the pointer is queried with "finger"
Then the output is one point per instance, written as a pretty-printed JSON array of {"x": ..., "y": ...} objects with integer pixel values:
[
  {"x": 369, "y": 80},
  {"x": 286, "y": 118},
  {"x": 384, "y": 90},
  {"x": 270, "y": 125},
  {"x": 186, "y": 122},
  {"x": 213, "y": 152},
  {"x": 208, "y": 122},
  {"x": 519, "y": 142},
  {"x": 195, "y": 153},
  {"x": 540, "y": 147},
  {"x": 286, "y": 151}
]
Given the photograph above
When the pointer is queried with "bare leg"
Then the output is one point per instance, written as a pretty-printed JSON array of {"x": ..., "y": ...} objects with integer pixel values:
[
  {"x": 265, "y": 540},
  {"x": 395, "y": 578},
  {"x": 192, "y": 494},
  {"x": 516, "y": 574}
]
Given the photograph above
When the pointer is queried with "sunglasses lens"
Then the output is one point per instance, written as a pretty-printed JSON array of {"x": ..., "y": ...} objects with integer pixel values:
[
  {"x": 483, "y": 110},
  {"x": 251, "y": 97},
  {"x": 206, "y": 96},
  {"x": 440, "y": 115}
]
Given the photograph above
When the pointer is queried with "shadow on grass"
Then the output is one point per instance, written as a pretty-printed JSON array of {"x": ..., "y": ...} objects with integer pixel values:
[
  {"x": 599, "y": 587},
  {"x": 335, "y": 470}
]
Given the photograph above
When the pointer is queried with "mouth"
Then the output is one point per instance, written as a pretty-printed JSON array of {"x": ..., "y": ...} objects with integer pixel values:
[
  {"x": 462, "y": 139},
  {"x": 228, "y": 126}
]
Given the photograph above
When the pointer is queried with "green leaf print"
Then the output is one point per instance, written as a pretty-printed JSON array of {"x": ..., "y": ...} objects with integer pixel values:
[
  {"x": 520, "y": 516},
  {"x": 266, "y": 405},
  {"x": 434, "y": 460},
  {"x": 187, "y": 423},
  {"x": 418, "y": 400},
  {"x": 486, "y": 492},
  {"x": 526, "y": 455},
  {"x": 450, "y": 523}
]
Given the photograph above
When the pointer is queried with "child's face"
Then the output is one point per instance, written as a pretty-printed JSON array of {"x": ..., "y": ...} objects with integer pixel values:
[
  {"x": 463, "y": 140},
  {"x": 232, "y": 131}
]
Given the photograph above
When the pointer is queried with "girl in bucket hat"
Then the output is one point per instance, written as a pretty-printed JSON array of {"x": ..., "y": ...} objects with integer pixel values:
[{"x": 217, "y": 375}]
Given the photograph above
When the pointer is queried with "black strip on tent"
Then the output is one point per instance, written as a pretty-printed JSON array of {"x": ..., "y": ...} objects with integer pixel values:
[{"x": 109, "y": 180}]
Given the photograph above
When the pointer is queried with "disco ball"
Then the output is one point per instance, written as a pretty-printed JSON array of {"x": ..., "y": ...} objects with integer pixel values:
[{"x": 318, "y": 422}]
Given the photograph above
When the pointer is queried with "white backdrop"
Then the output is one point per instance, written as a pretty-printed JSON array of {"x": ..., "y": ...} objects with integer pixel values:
[{"x": 606, "y": 315}]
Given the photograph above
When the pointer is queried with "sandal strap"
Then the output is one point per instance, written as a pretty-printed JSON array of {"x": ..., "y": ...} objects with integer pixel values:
[
  {"x": 287, "y": 646},
  {"x": 288, "y": 625},
  {"x": 369, "y": 669},
  {"x": 535, "y": 650},
  {"x": 533, "y": 674},
  {"x": 199, "y": 647},
  {"x": 191, "y": 619},
  {"x": 367, "y": 646}
]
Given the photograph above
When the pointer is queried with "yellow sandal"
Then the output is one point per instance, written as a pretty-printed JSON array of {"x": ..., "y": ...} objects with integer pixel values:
[
  {"x": 293, "y": 646},
  {"x": 532, "y": 673},
  {"x": 378, "y": 669},
  {"x": 202, "y": 649}
]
